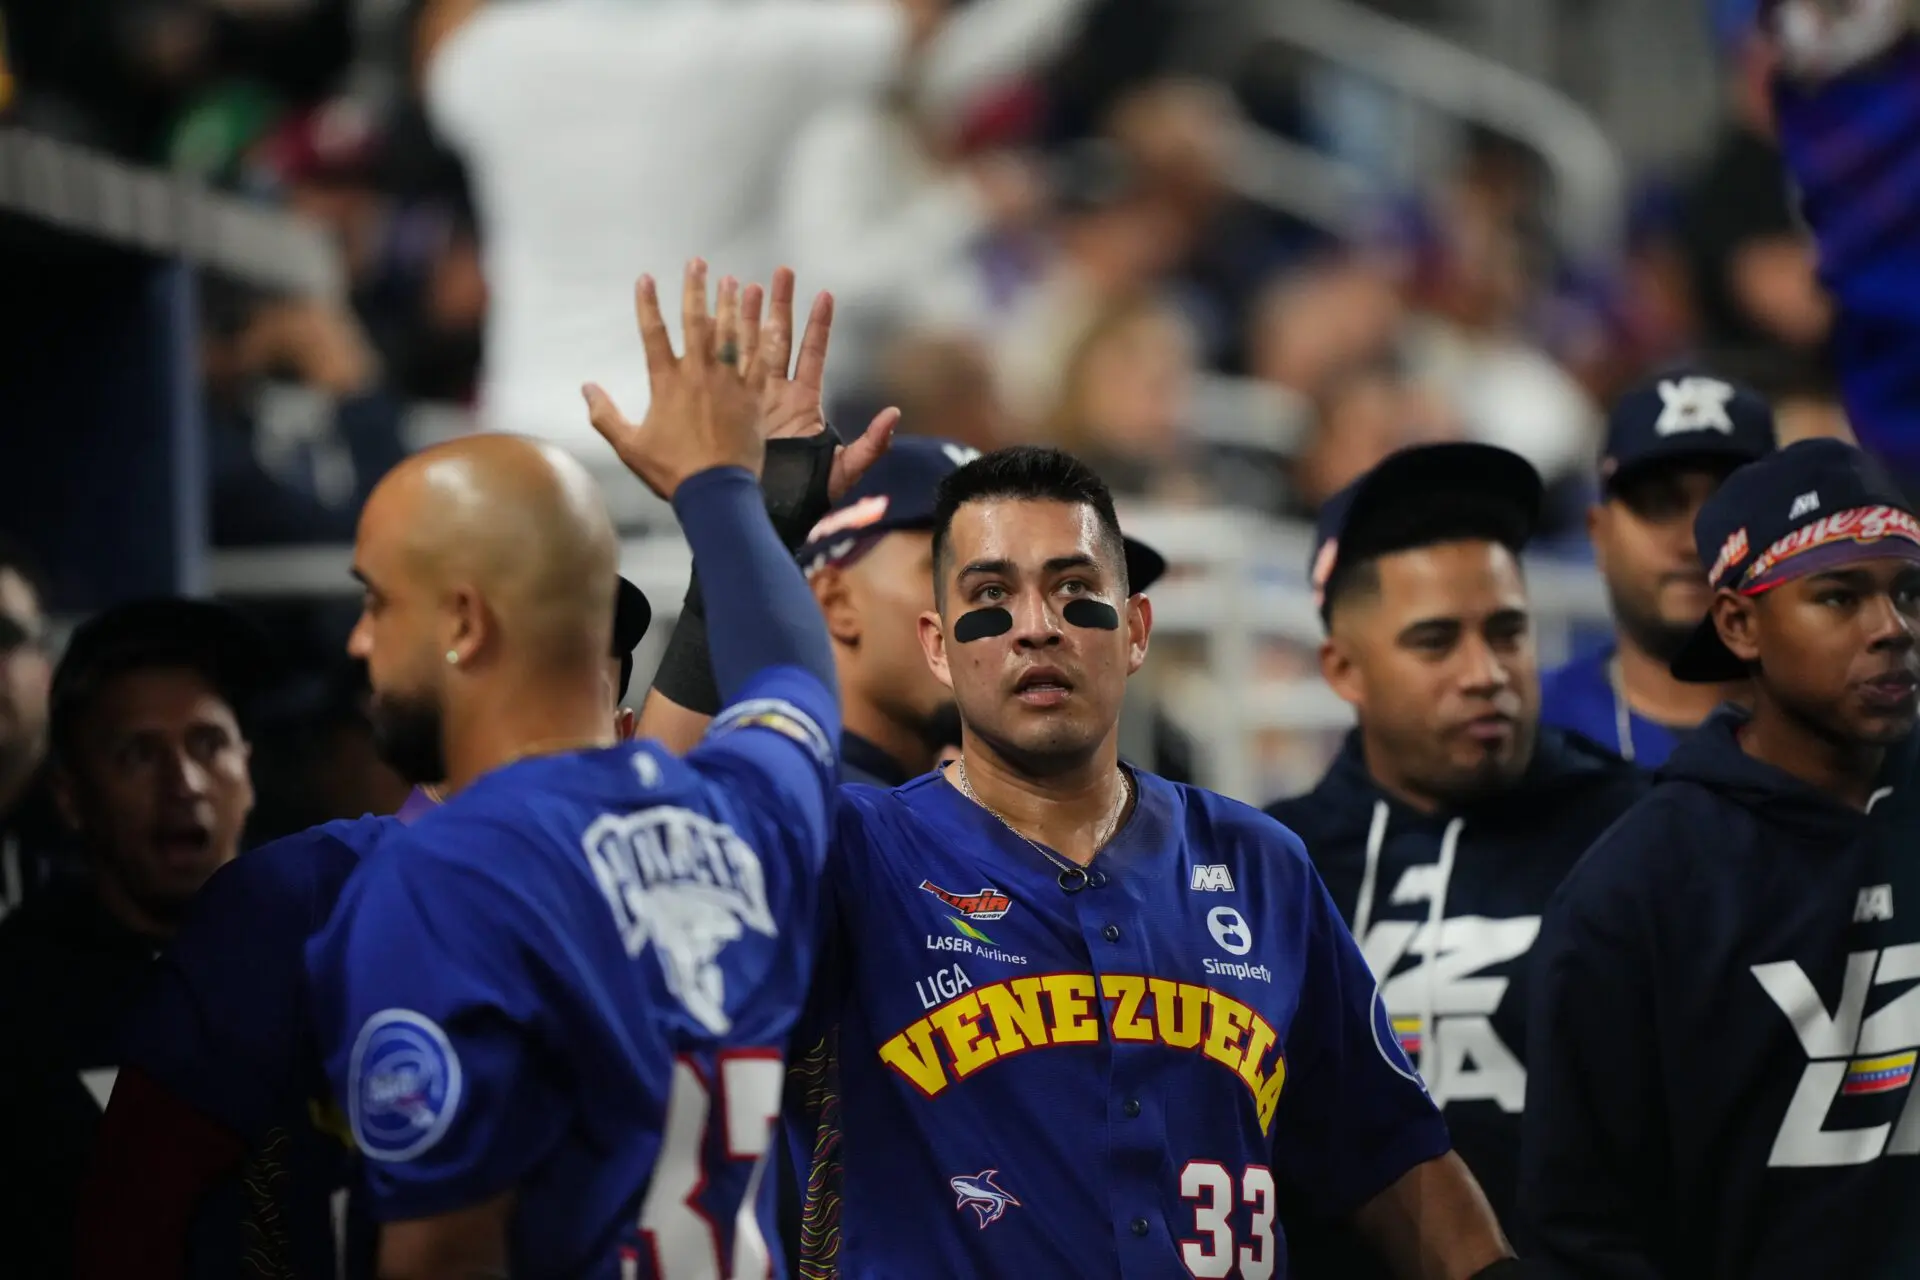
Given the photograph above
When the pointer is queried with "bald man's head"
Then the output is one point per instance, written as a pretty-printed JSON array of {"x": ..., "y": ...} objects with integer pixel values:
[{"x": 486, "y": 563}]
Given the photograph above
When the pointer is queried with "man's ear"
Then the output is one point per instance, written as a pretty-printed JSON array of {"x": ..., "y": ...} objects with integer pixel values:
[
  {"x": 1737, "y": 619},
  {"x": 1341, "y": 672},
  {"x": 1139, "y": 618},
  {"x": 1597, "y": 525},
  {"x": 933, "y": 643},
  {"x": 834, "y": 594}
]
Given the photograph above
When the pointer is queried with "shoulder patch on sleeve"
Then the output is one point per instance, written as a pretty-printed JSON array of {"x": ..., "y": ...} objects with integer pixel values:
[
  {"x": 1386, "y": 1038},
  {"x": 403, "y": 1085},
  {"x": 782, "y": 717}
]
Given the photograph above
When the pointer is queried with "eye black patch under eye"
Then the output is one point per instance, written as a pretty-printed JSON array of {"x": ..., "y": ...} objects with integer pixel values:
[
  {"x": 982, "y": 623},
  {"x": 1094, "y": 615}
]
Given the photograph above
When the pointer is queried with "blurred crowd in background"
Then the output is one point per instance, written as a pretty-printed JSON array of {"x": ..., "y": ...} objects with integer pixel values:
[{"x": 1048, "y": 236}]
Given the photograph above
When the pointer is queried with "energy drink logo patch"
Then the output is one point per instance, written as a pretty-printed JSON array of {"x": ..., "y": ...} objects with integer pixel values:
[{"x": 988, "y": 904}]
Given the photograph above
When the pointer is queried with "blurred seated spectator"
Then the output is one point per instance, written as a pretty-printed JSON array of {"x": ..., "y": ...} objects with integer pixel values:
[
  {"x": 1313, "y": 322},
  {"x": 27, "y": 857},
  {"x": 1125, "y": 396},
  {"x": 1752, "y": 264},
  {"x": 1361, "y": 415},
  {"x": 150, "y": 771},
  {"x": 943, "y": 386}
]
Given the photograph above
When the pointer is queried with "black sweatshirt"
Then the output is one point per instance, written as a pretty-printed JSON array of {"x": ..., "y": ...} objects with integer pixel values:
[
  {"x": 1723, "y": 1030},
  {"x": 1457, "y": 995}
]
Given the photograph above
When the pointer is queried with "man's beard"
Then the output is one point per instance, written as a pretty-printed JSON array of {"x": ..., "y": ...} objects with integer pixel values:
[
  {"x": 406, "y": 733},
  {"x": 1652, "y": 634}
]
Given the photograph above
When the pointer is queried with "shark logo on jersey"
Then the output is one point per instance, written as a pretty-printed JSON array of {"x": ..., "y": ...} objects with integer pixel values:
[
  {"x": 689, "y": 886},
  {"x": 987, "y": 1199}
]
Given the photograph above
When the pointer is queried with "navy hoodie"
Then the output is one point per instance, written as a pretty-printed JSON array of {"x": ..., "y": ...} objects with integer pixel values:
[
  {"x": 1457, "y": 994},
  {"x": 1724, "y": 1027}
]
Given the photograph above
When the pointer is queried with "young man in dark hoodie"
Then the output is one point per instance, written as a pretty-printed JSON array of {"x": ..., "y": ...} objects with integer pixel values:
[
  {"x": 1451, "y": 814},
  {"x": 1724, "y": 1022}
]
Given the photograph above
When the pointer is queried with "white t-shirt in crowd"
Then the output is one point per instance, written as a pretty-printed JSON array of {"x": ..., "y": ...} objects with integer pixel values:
[{"x": 607, "y": 139}]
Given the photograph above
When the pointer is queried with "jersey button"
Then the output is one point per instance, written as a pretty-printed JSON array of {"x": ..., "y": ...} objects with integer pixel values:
[
  {"x": 1132, "y": 1108},
  {"x": 1111, "y": 933},
  {"x": 1139, "y": 1226}
]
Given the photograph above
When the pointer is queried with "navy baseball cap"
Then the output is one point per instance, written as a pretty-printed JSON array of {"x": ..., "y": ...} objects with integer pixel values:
[
  {"x": 229, "y": 648},
  {"x": 1685, "y": 417},
  {"x": 1480, "y": 489},
  {"x": 632, "y": 615},
  {"x": 899, "y": 492},
  {"x": 1808, "y": 508}
]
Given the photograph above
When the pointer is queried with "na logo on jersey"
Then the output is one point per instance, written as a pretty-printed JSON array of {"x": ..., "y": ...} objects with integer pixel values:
[
  {"x": 984, "y": 1195},
  {"x": 1211, "y": 878},
  {"x": 988, "y": 904},
  {"x": 687, "y": 885}
]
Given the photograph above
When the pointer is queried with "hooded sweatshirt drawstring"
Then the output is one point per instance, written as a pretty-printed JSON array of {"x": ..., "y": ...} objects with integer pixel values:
[
  {"x": 1370, "y": 877},
  {"x": 1436, "y": 916}
]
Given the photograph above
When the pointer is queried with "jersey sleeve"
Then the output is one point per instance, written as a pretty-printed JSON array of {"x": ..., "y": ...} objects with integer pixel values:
[
  {"x": 1353, "y": 1116},
  {"x": 770, "y": 757},
  {"x": 428, "y": 1016},
  {"x": 219, "y": 1025}
]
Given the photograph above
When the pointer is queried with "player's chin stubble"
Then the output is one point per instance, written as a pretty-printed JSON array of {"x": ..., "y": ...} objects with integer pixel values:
[{"x": 406, "y": 733}]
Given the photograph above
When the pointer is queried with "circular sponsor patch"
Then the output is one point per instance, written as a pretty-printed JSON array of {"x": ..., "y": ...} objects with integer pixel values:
[{"x": 404, "y": 1085}]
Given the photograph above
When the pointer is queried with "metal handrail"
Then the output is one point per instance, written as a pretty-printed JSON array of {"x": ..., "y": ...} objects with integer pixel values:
[{"x": 1588, "y": 171}]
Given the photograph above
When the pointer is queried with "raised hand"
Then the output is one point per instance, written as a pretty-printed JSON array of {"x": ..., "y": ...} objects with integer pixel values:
[
  {"x": 792, "y": 392},
  {"x": 706, "y": 409}
]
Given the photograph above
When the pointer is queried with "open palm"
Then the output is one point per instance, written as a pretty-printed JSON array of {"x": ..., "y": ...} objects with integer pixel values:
[{"x": 792, "y": 395}]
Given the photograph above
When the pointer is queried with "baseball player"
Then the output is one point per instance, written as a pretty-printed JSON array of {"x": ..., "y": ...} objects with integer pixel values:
[
  {"x": 555, "y": 1007},
  {"x": 1088, "y": 1022},
  {"x": 1670, "y": 442},
  {"x": 1451, "y": 814},
  {"x": 221, "y": 1141},
  {"x": 1723, "y": 1033}
]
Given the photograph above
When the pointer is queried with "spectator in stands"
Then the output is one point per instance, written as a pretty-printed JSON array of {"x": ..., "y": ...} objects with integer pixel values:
[
  {"x": 150, "y": 772},
  {"x": 1670, "y": 442},
  {"x": 1762, "y": 312},
  {"x": 1361, "y": 415},
  {"x": 1451, "y": 815},
  {"x": 943, "y": 385},
  {"x": 557, "y": 111},
  {"x": 26, "y": 856},
  {"x": 1125, "y": 398}
]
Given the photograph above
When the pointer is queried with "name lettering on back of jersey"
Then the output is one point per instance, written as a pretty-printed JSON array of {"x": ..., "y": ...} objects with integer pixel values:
[
  {"x": 1874, "y": 904},
  {"x": 1854, "y": 1103},
  {"x": 985, "y": 1197},
  {"x": 980, "y": 1026},
  {"x": 1211, "y": 878},
  {"x": 687, "y": 885},
  {"x": 1441, "y": 992}
]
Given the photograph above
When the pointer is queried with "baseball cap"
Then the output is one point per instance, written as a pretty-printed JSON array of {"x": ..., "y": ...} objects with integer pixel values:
[
  {"x": 632, "y": 615},
  {"x": 1415, "y": 491},
  {"x": 228, "y": 647},
  {"x": 1685, "y": 416},
  {"x": 1806, "y": 509},
  {"x": 900, "y": 491}
]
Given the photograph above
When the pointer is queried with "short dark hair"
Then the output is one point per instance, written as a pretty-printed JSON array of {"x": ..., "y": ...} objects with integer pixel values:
[
  {"x": 1025, "y": 473},
  {"x": 1427, "y": 522}
]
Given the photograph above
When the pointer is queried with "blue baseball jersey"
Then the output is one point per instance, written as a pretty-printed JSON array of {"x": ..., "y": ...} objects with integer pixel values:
[
  {"x": 576, "y": 980},
  {"x": 225, "y": 1027},
  {"x": 1116, "y": 1081},
  {"x": 1581, "y": 696}
]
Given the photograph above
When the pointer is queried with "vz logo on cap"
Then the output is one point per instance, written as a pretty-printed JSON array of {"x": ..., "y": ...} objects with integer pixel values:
[
  {"x": 988, "y": 904},
  {"x": 1694, "y": 404}
]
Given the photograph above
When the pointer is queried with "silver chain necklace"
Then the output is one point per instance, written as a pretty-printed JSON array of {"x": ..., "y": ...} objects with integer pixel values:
[{"x": 1072, "y": 877}]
